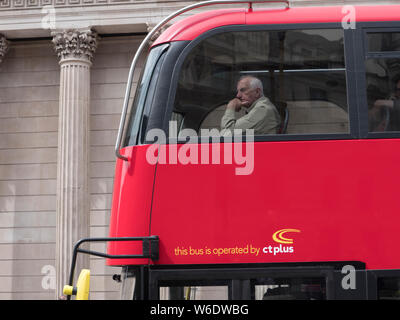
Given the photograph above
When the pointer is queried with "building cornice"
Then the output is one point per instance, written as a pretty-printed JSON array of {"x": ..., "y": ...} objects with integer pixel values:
[
  {"x": 113, "y": 16},
  {"x": 7, "y": 5},
  {"x": 39, "y": 4}
]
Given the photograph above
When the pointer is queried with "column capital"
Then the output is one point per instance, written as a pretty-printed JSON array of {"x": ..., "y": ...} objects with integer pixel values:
[
  {"x": 4, "y": 45},
  {"x": 75, "y": 44}
]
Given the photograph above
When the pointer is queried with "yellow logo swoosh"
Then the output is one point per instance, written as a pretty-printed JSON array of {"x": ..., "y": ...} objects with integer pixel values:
[{"x": 278, "y": 236}]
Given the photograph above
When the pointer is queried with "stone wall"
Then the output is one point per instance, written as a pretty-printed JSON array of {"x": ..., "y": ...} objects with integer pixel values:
[
  {"x": 29, "y": 85},
  {"x": 29, "y": 93}
]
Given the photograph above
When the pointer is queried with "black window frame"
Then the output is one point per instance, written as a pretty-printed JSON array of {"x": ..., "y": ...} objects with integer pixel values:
[
  {"x": 135, "y": 122},
  {"x": 350, "y": 80}
]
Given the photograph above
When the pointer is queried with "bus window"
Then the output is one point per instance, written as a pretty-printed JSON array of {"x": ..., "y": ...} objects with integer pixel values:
[
  {"x": 290, "y": 289},
  {"x": 388, "y": 288},
  {"x": 141, "y": 99},
  {"x": 199, "y": 292},
  {"x": 383, "y": 41},
  {"x": 382, "y": 68},
  {"x": 302, "y": 72},
  {"x": 383, "y": 94}
]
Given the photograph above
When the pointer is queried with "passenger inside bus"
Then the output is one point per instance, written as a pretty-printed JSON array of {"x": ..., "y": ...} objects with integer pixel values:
[
  {"x": 303, "y": 74},
  {"x": 384, "y": 114},
  {"x": 260, "y": 114}
]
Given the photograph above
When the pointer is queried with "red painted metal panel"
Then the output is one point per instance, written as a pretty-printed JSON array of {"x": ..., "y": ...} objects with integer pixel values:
[
  {"x": 193, "y": 26},
  {"x": 340, "y": 197},
  {"x": 131, "y": 204}
]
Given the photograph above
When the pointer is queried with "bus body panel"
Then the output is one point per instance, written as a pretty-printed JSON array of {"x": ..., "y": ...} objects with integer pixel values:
[
  {"x": 131, "y": 204},
  {"x": 336, "y": 200},
  {"x": 184, "y": 30},
  {"x": 305, "y": 201}
]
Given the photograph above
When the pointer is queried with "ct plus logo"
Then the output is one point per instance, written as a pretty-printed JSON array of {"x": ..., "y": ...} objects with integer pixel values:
[
  {"x": 278, "y": 236},
  {"x": 281, "y": 238}
]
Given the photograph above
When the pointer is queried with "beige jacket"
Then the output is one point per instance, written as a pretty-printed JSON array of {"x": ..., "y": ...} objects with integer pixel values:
[{"x": 262, "y": 116}]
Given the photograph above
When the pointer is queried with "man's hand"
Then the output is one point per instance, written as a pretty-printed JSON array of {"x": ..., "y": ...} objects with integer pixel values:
[{"x": 234, "y": 104}]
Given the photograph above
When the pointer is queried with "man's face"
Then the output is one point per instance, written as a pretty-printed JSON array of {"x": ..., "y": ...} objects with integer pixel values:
[{"x": 245, "y": 94}]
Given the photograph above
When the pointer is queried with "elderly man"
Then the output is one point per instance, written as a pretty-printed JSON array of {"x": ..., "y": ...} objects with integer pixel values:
[{"x": 261, "y": 114}]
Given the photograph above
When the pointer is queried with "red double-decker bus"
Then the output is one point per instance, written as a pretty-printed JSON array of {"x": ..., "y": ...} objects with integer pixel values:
[{"x": 310, "y": 211}]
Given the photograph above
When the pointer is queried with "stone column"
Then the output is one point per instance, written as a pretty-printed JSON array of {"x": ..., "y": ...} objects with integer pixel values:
[
  {"x": 75, "y": 49},
  {"x": 4, "y": 45}
]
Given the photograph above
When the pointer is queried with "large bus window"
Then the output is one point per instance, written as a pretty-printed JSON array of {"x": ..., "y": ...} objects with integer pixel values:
[
  {"x": 383, "y": 94},
  {"x": 290, "y": 289},
  {"x": 302, "y": 73},
  {"x": 199, "y": 292}
]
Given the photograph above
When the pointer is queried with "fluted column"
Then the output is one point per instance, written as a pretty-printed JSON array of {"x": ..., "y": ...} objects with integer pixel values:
[
  {"x": 4, "y": 45},
  {"x": 75, "y": 49}
]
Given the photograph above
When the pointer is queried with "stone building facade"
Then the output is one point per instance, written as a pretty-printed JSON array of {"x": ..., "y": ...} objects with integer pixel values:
[{"x": 63, "y": 71}]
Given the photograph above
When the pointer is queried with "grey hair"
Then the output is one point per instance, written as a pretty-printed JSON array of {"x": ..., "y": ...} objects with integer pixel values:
[{"x": 254, "y": 83}]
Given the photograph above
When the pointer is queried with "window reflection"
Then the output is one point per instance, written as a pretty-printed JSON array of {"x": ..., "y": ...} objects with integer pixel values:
[
  {"x": 302, "y": 71},
  {"x": 290, "y": 289},
  {"x": 388, "y": 41},
  {"x": 383, "y": 94}
]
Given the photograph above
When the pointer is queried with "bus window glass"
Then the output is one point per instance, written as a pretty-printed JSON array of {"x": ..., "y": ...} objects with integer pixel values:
[
  {"x": 290, "y": 289},
  {"x": 302, "y": 74},
  {"x": 201, "y": 292},
  {"x": 387, "y": 41},
  {"x": 383, "y": 94},
  {"x": 137, "y": 107},
  {"x": 388, "y": 288}
]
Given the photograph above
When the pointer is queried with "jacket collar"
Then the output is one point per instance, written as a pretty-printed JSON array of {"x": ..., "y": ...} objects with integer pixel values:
[{"x": 247, "y": 110}]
